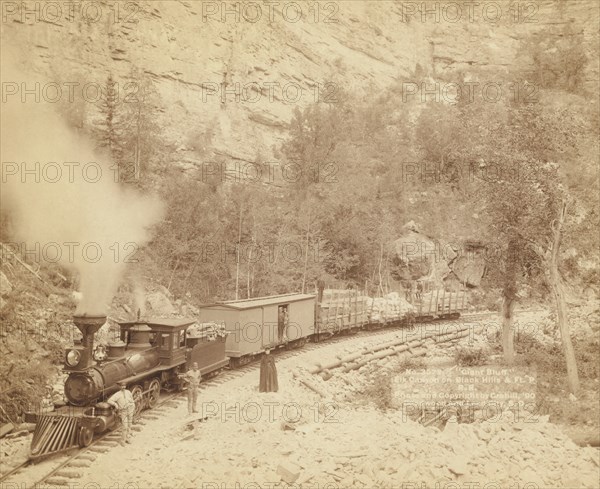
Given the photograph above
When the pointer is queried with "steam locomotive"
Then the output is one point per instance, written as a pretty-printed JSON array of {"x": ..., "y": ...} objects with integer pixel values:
[{"x": 151, "y": 354}]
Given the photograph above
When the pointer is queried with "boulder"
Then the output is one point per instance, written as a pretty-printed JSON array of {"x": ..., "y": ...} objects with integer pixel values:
[
  {"x": 414, "y": 247},
  {"x": 432, "y": 259},
  {"x": 159, "y": 303},
  {"x": 469, "y": 269},
  {"x": 289, "y": 472}
]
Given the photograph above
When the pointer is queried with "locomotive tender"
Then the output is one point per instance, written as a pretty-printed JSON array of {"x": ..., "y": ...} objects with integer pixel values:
[{"x": 152, "y": 353}]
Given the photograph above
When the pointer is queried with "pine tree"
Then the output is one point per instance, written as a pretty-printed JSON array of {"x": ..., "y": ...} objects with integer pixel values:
[
  {"x": 140, "y": 131},
  {"x": 109, "y": 128}
]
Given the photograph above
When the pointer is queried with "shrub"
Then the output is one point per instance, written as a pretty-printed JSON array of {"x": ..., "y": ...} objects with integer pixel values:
[
  {"x": 379, "y": 391},
  {"x": 411, "y": 363},
  {"x": 471, "y": 357},
  {"x": 586, "y": 353}
]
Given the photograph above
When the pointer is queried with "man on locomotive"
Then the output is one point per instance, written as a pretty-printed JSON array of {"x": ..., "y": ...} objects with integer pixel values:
[
  {"x": 193, "y": 378},
  {"x": 124, "y": 403}
]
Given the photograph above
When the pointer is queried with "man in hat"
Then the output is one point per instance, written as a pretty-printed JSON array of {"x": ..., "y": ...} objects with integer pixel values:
[
  {"x": 124, "y": 403},
  {"x": 193, "y": 378}
]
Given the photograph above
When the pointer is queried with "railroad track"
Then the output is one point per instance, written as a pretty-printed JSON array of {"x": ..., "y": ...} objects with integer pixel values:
[{"x": 67, "y": 467}]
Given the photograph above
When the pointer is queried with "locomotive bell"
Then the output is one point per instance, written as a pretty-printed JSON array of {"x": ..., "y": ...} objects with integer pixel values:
[{"x": 80, "y": 357}]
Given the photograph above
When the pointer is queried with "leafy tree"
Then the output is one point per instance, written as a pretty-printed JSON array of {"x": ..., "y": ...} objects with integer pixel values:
[
  {"x": 559, "y": 58},
  {"x": 525, "y": 197}
]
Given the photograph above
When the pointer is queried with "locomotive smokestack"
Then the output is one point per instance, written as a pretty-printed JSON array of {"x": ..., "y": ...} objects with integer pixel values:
[{"x": 88, "y": 325}]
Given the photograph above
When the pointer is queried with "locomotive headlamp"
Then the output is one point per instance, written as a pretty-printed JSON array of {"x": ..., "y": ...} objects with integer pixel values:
[{"x": 73, "y": 358}]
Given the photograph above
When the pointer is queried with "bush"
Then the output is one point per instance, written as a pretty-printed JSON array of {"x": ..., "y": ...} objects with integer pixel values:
[
  {"x": 471, "y": 357},
  {"x": 586, "y": 353},
  {"x": 379, "y": 386},
  {"x": 411, "y": 363},
  {"x": 485, "y": 300},
  {"x": 379, "y": 391},
  {"x": 549, "y": 359}
]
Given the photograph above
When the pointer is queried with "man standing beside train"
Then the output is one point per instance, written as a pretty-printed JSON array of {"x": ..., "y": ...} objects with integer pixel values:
[
  {"x": 125, "y": 404},
  {"x": 193, "y": 378}
]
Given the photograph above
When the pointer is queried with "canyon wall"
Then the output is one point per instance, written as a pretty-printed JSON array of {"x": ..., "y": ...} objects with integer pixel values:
[{"x": 277, "y": 56}]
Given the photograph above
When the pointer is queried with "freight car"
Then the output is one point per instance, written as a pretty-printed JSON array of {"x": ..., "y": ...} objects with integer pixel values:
[
  {"x": 151, "y": 354},
  {"x": 254, "y": 325},
  {"x": 290, "y": 320}
]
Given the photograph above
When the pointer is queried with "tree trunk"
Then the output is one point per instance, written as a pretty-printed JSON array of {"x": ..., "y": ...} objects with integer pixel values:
[
  {"x": 237, "y": 264},
  {"x": 173, "y": 274},
  {"x": 509, "y": 300},
  {"x": 249, "y": 268},
  {"x": 555, "y": 283},
  {"x": 248, "y": 277},
  {"x": 306, "y": 254},
  {"x": 508, "y": 347},
  {"x": 379, "y": 271},
  {"x": 136, "y": 176}
]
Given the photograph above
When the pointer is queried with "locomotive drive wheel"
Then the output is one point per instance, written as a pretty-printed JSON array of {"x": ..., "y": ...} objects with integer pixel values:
[
  {"x": 85, "y": 437},
  {"x": 138, "y": 397},
  {"x": 154, "y": 393}
]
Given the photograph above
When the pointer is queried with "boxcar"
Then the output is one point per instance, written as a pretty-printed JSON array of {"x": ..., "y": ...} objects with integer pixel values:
[{"x": 254, "y": 325}]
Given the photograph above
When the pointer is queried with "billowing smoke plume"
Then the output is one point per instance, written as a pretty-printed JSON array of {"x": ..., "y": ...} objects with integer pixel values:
[{"x": 89, "y": 224}]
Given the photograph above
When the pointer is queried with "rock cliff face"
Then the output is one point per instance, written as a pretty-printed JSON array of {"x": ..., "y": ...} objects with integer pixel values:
[{"x": 271, "y": 58}]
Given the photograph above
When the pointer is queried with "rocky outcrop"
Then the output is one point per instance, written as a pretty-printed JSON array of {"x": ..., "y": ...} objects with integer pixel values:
[
  {"x": 236, "y": 76},
  {"x": 469, "y": 267},
  {"x": 159, "y": 304},
  {"x": 420, "y": 257},
  {"x": 432, "y": 255}
]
